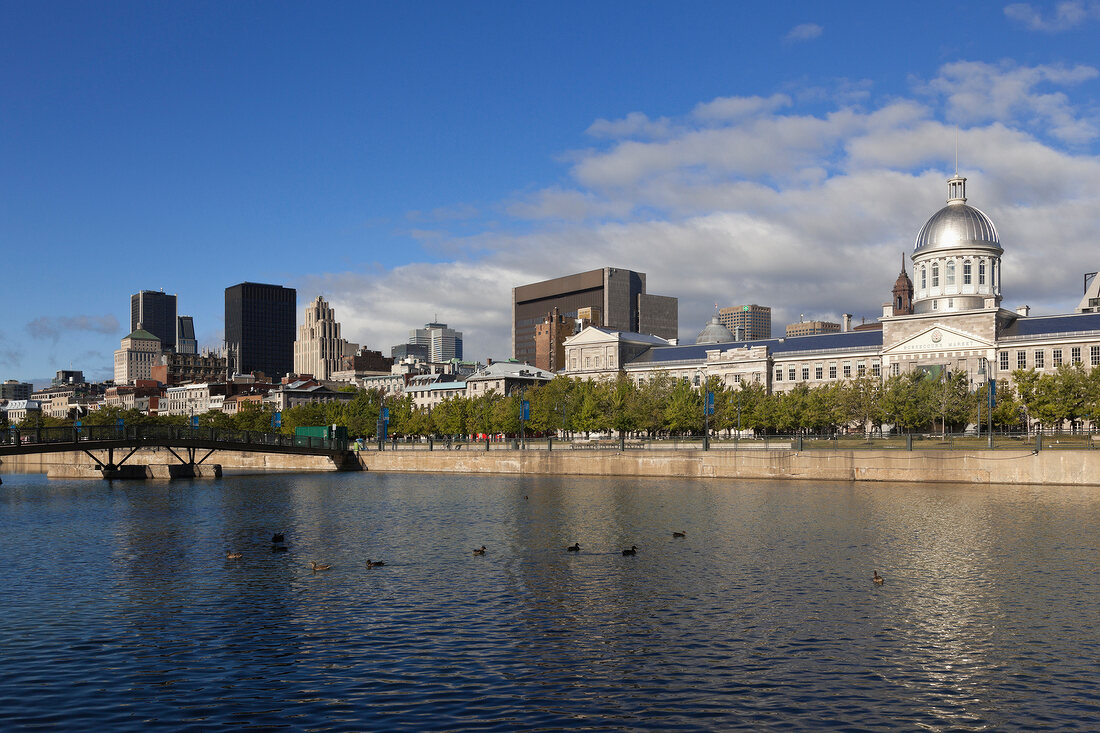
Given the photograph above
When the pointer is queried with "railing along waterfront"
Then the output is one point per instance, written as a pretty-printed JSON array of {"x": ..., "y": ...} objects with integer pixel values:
[
  {"x": 81, "y": 436},
  {"x": 1034, "y": 441}
]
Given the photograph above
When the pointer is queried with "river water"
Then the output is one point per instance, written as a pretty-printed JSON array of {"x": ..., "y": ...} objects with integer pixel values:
[{"x": 120, "y": 610}]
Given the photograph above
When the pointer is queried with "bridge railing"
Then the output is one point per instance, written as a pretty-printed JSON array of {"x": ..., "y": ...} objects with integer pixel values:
[{"x": 162, "y": 434}]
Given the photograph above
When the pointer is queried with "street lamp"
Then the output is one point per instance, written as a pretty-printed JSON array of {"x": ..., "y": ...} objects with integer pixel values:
[{"x": 981, "y": 380}]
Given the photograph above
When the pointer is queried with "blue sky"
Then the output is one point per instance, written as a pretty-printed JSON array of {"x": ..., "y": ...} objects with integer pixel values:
[{"x": 416, "y": 161}]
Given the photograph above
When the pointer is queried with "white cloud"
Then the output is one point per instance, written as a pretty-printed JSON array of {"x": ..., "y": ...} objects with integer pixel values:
[
  {"x": 747, "y": 199},
  {"x": 977, "y": 92},
  {"x": 804, "y": 32},
  {"x": 634, "y": 124},
  {"x": 1066, "y": 15}
]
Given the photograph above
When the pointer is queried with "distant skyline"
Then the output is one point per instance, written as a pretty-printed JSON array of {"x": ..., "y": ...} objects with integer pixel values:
[{"x": 414, "y": 163}]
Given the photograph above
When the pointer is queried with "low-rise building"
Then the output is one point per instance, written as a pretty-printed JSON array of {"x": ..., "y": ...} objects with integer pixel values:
[
  {"x": 17, "y": 411},
  {"x": 505, "y": 378},
  {"x": 304, "y": 392}
]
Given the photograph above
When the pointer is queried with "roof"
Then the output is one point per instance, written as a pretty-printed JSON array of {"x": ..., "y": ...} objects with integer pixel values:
[
  {"x": 511, "y": 370},
  {"x": 141, "y": 333},
  {"x": 817, "y": 342},
  {"x": 1047, "y": 325}
]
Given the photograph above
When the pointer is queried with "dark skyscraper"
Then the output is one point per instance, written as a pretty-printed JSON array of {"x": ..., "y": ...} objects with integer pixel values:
[
  {"x": 259, "y": 328},
  {"x": 156, "y": 313}
]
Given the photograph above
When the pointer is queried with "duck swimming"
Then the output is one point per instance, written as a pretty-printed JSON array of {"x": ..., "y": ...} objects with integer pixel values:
[
  {"x": 878, "y": 579},
  {"x": 632, "y": 551},
  {"x": 575, "y": 548},
  {"x": 480, "y": 551},
  {"x": 277, "y": 538},
  {"x": 679, "y": 534},
  {"x": 372, "y": 564},
  {"x": 320, "y": 566},
  {"x": 232, "y": 555}
]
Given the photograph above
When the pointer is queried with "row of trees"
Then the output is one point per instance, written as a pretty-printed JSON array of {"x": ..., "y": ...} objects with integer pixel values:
[{"x": 667, "y": 406}]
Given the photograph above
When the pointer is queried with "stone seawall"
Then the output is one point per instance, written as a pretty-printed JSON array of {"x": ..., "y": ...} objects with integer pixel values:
[
  {"x": 53, "y": 463},
  {"x": 1064, "y": 467}
]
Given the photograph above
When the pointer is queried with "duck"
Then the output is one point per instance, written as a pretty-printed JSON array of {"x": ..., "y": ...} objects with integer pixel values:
[
  {"x": 576, "y": 547},
  {"x": 277, "y": 538},
  {"x": 480, "y": 551},
  {"x": 679, "y": 534},
  {"x": 317, "y": 566},
  {"x": 878, "y": 579},
  {"x": 372, "y": 564},
  {"x": 632, "y": 551},
  {"x": 234, "y": 555}
]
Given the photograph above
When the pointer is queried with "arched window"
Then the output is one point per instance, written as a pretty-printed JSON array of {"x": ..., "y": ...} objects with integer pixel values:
[
  {"x": 981, "y": 272},
  {"x": 899, "y": 302},
  {"x": 923, "y": 278},
  {"x": 935, "y": 275},
  {"x": 950, "y": 273},
  {"x": 966, "y": 273}
]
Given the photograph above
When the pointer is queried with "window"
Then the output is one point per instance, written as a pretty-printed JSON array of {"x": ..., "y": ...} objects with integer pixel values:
[
  {"x": 950, "y": 303},
  {"x": 737, "y": 377},
  {"x": 1004, "y": 361},
  {"x": 895, "y": 370},
  {"x": 1021, "y": 360},
  {"x": 935, "y": 305},
  {"x": 779, "y": 374},
  {"x": 966, "y": 272},
  {"x": 981, "y": 272},
  {"x": 1056, "y": 358},
  {"x": 819, "y": 372},
  {"x": 923, "y": 278},
  {"x": 935, "y": 275},
  {"x": 832, "y": 371},
  {"x": 1075, "y": 355},
  {"x": 790, "y": 374},
  {"x": 1039, "y": 358},
  {"x": 847, "y": 371},
  {"x": 951, "y": 273},
  {"x": 876, "y": 369},
  {"x": 1095, "y": 355},
  {"x": 805, "y": 374},
  {"x": 587, "y": 362}
]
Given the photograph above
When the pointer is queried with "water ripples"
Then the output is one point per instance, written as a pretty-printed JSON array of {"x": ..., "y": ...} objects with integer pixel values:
[{"x": 122, "y": 612}]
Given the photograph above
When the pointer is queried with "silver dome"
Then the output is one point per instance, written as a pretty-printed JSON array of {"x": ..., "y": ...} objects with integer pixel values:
[
  {"x": 714, "y": 333},
  {"x": 957, "y": 226}
]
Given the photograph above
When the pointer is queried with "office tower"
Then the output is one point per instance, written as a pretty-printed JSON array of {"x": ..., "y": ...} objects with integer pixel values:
[
  {"x": 259, "y": 328},
  {"x": 319, "y": 349},
  {"x": 619, "y": 295},
  {"x": 186, "y": 343},
  {"x": 154, "y": 312},
  {"x": 443, "y": 343},
  {"x": 747, "y": 322}
]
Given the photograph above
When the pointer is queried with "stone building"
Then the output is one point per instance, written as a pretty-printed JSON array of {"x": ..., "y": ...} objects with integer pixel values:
[
  {"x": 319, "y": 349},
  {"x": 550, "y": 338},
  {"x": 139, "y": 352},
  {"x": 754, "y": 321}
]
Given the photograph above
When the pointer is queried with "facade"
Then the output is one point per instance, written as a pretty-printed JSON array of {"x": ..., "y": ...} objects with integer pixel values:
[
  {"x": 954, "y": 322},
  {"x": 755, "y": 321},
  {"x": 406, "y": 351},
  {"x": 304, "y": 392},
  {"x": 440, "y": 342},
  {"x": 550, "y": 338},
  {"x": 19, "y": 410},
  {"x": 155, "y": 311},
  {"x": 135, "y": 359},
  {"x": 618, "y": 296},
  {"x": 186, "y": 343},
  {"x": 143, "y": 396},
  {"x": 13, "y": 389},
  {"x": 505, "y": 378},
  {"x": 809, "y": 328},
  {"x": 600, "y": 352},
  {"x": 175, "y": 368},
  {"x": 67, "y": 376},
  {"x": 193, "y": 399},
  {"x": 259, "y": 328},
  {"x": 1090, "y": 302},
  {"x": 319, "y": 348}
]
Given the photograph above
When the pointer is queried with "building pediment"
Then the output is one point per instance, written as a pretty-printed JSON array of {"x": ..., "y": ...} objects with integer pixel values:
[{"x": 938, "y": 337}]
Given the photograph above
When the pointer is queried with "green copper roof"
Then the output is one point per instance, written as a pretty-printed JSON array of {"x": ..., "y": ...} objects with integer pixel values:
[{"x": 142, "y": 334}]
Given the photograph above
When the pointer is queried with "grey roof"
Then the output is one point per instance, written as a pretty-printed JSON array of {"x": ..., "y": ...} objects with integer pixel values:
[
  {"x": 512, "y": 370},
  {"x": 955, "y": 226},
  {"x": 634, "y": 336},
  {"x": 714, "y": 333},
  {"x": 1044, "y": 325},
  {"x": 817, "y": 342}
]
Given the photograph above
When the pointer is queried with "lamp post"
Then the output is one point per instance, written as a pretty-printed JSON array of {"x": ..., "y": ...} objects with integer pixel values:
[{"x": 981, "y": 380}]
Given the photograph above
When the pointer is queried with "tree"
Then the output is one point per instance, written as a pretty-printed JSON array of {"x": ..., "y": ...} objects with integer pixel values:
[{"x": 684, "y": 410}]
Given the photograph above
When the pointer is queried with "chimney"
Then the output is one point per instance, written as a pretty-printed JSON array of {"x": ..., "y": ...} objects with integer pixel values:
[
  {"x": 488, "y": 362},
  {"x": 1023, "y": 310},
  {"x": 847, "y": 323}
]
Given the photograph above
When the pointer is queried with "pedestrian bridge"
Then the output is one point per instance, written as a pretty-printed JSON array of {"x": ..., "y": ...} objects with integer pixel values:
[{"x": 190, "y": 445}]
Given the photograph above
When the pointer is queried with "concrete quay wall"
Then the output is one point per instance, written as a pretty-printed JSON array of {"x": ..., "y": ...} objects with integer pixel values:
[{"x": 1065, "y": 467}]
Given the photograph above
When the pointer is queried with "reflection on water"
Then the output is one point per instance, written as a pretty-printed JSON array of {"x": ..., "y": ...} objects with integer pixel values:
[{"x": 121, "y": 608}]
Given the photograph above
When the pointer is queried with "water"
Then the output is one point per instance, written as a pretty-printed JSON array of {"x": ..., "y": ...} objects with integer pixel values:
[{"x": 120, "y": 610}]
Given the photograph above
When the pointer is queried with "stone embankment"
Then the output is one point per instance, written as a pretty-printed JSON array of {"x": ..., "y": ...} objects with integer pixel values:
[{"x": 158, "y": 463}]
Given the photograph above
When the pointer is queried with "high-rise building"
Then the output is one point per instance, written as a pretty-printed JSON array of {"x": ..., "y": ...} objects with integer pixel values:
[
  {"x": 318, "y": 350},
  {"x": 186, "y": 343},
  {"x": 13, "y": 389},
  {"x": 443, "y": 343},
  {"x": 155, "y": 312},
  {"x": 809, "y": 328},
  {"x": 139, "y": 353},
  {"x": 550, "y": 338},
  {"x": 619, "y": 295},
  {"x": 747, "y": 322},
  {"x": 259, "y": 328}
]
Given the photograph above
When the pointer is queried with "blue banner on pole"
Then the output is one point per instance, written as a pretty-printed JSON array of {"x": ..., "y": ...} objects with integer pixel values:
[
  {"x": 525, "y": 412},
  {"x": 710, "y": 403},
  {"x": 121, "y": 422},
  {"x": 277, "y": 420},
  {"x": 385, "y": 414},
  {"x": 993, "y": 394},
  {"x": 194, "y": 421}
]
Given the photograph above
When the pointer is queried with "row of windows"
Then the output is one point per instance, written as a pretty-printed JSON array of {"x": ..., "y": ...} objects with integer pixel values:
[
  {"x": 792, "y": 373},
  {"x": 949, "y": 274},
  {"x": 1056, "y": 358}
]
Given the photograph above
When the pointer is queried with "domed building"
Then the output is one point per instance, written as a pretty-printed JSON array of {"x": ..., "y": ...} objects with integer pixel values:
[{"x": 714, "y": 333}]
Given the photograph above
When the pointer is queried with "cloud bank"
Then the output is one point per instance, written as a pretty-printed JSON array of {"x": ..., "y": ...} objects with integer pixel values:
[
  {"x": 48, "y": 327},
  {"x": 757, "y": 200}
]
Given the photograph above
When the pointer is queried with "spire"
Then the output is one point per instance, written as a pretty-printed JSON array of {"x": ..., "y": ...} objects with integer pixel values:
[{"x": 903, "y": 262}]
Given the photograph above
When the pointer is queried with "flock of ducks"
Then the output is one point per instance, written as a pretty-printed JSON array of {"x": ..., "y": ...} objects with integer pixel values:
[{"x": 278, "y": 544}]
